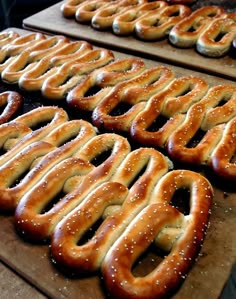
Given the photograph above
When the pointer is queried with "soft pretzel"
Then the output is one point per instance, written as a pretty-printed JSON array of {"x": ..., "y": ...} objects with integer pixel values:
[
  {"x": 28, "y": 58},
  {"x": 208, "y": 43},
  {"x": 157, "y": 25},
  {"x": 124, "y": 24},
  {"x": 186, "y": 32},
  {"x": 172, "y": 102},
  {"x": 152, "y": 225},
  {"x": 134, "y": 93},
  {"x": 6, "y": 37},
  {"x": 69, "y": 8},
  {"x": 208, "y": 117},
  {"x": 26, "y": 160},
  {"x": 38, "y": 225},
  {"x": 89, "y": 256},
  {"x": 104, "y": 78},
  {"x": 33, "y": 79},
  {"x": 11, "y": 102}
]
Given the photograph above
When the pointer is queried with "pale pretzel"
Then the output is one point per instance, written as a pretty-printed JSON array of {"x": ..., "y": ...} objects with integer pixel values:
[
  {"x": 104, "y": 78},
  {"x": 207, "y": 43},
  {"x": 186, "y": 32},
  {"x": 29, "y": 215},
  {"x": 171, "y": 103},
  {"x": 124, "y": 24},
  {"x": 89, "y": 256},
  {"x": 153, "y": 224},
  {"x": 158, "y": 25},
  {"x": 11, "y": 102},
  {"x": 69, "y": 8},
  {"x": 76, "y": 71},
  {"x": 134, "y": 93},
  {"x": 27, "y": 160}
]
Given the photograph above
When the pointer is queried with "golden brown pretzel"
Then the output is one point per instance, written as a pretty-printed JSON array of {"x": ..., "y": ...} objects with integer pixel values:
[
  {"x": 10, "y": 101},
  {"x": 104, "y": 78},
  {"x": 171, "y": 103},
  {"x": 6, "y": 37},
  {"x": 29, "y": 215},
  {"x": 208, "y": 117},
  {"x": 49, "y": 65},
  {"x": 85, "y": 12},
  {"x": 134, "y": 93},
  {"x": 157, "y": 25},
  {"x": 186, "y": 32},
  {"x": 124, "y": 23},
  {"x": 69, "y": 8},
  {"x": 151, "y": 225},
  {"x": 27, "y": 59},
  {"x": 125, "y": 190},
  {"x": 26, "y": 160},
  {"x": 208, "y": 43}
]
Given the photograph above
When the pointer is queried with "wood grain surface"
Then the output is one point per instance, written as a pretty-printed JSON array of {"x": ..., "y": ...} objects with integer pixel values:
[{"x": 51, "y": 20}]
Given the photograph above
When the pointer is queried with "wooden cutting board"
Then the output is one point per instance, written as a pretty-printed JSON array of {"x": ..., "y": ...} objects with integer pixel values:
[
  {"x": 205, "y": 280},
  {"x": 51, "y": 20}
]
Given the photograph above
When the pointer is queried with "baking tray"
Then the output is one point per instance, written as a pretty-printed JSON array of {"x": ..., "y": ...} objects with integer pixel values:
[
  {"x": 51, "y": 20},
  {"x": 205, "y": 280}
]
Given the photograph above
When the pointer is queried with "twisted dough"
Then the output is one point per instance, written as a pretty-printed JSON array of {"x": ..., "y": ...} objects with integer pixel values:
[
  {"x": 11, "y": 102},
  {"x": 208, "y": 43},
  {"x": 186, "y": 32},
  {"x": 127, "y": 192},
  {"x": 69, "y": 8},
  {"x": 157, "y": 25},
  {"x": 38, "y": 224},
  {"x": 152, "y": 224}
]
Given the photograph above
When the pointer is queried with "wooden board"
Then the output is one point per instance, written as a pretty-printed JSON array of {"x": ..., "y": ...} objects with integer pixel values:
[
  {"x": 51, "y": 20},
  {"x": 205, "y": 280}
]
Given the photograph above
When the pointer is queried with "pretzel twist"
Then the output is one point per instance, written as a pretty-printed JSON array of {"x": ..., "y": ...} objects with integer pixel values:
[
  {"x": 158, "y": 25},
  {"x": 208, "y": 44},
  {"x": 186, "y": 32},
  {"x": 6, "y": 37},
  {"x": 171, "y": 103},
  {"x": 153, "y": 221},
  {"x": 69, "y": 8},
  {"x": 134, "y": 92},
  {"x": 88, "y": 257},
  {"x": 104, "y": 78},
  {"x": 30, "y": 218},
  {"x": 124, "y": 24},
  {"x": 11, "y": 102}
]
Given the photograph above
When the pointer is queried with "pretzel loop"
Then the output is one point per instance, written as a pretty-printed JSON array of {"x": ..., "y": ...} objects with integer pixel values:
[
  {"x": 11, "y": 102},
  {"x": 151, "y": 222}
]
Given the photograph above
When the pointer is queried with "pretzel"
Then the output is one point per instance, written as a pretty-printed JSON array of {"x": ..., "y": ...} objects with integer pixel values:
[
  {"x": 85, "y": 12},
  {"x": 186, "y": 32},
  {"x": 11, "y": 102},
  {"x": 207, "y": 43},
  {"x": 38, "y": 225},
  {"x": 33, "y": 79},
  {"x": 57, "y": 86},
  {"x": 28, "y": 58},
  {"x": 27, "y": 160},
  {"x": 89, "y": 256},
  {"x": 184, "y": 2},
  {"x": 157, "y": 25},
  {"x": 172, "y": 102},
  {"x": 208, "y": 117},
  {"x": 152, "y": 225},
  {"x": 105, "y": 78},
  {"x": 124, "y": 23},
  {"x": 134, "y": 93},
  {"x": 7, "y": 36},
  {"x": 69, "y": 8}
]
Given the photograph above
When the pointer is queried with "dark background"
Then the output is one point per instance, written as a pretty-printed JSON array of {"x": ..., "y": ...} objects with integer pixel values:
[{"x": 12, "y": 12}]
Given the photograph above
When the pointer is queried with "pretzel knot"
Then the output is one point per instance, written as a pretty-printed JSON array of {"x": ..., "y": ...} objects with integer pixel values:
[
  {"x": 153, "y": 224},
  {"x": 10, "y": 103}
]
